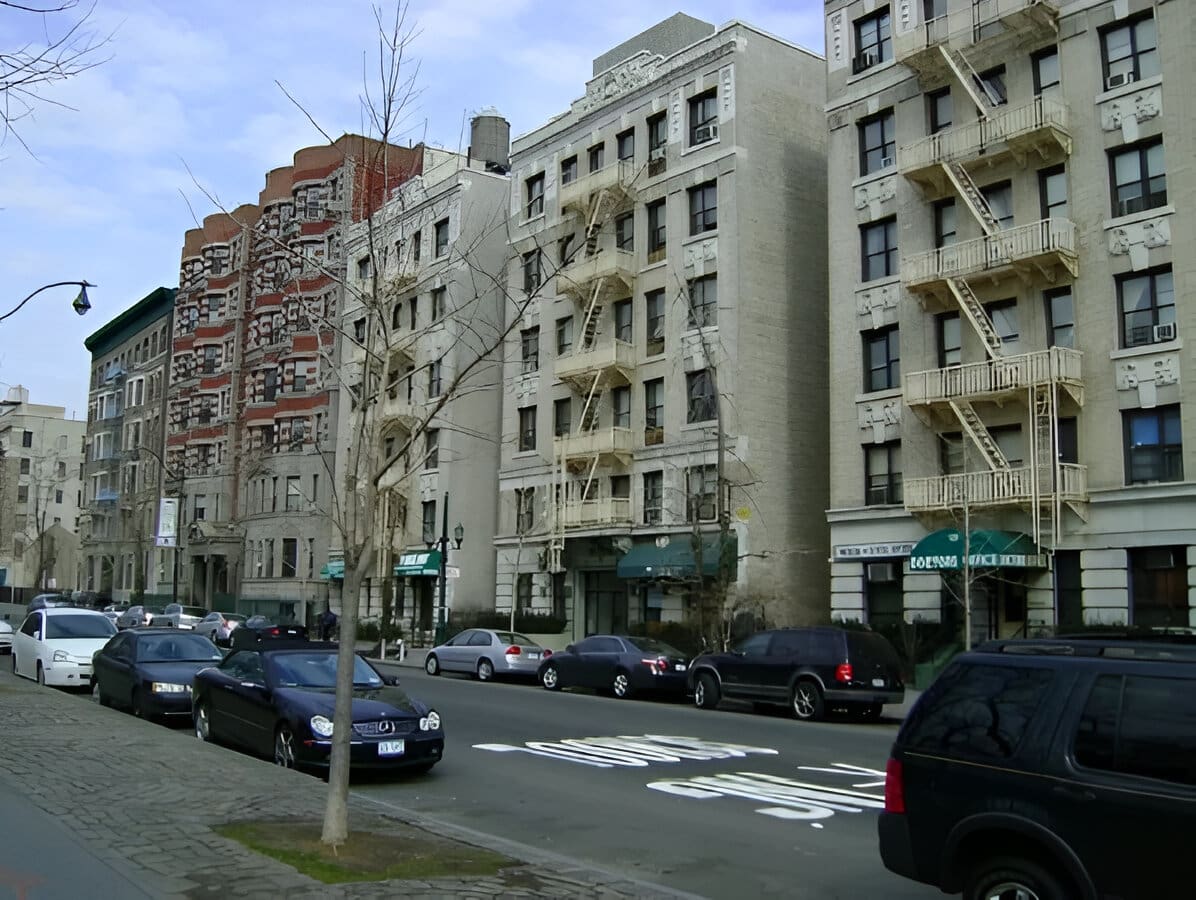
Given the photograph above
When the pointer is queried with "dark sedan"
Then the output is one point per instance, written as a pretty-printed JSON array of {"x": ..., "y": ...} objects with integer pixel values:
[
  {"x": 150, "y": 670},
  {"x": 256, "y": 629},
  {"x": 620, "y": 665},
  {"x": 276, "y": 700}
]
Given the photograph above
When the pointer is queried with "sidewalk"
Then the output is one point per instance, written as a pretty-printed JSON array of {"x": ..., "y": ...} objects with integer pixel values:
[{"x": 96, "y": 803}]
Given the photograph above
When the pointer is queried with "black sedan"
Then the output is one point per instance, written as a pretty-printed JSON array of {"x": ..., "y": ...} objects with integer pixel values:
[
  {"x": 256, "y": 629},
  {"x": 150, "y": 670},
  {"x": 276, "y": 700},
  {"x": 620, "y": 665}
]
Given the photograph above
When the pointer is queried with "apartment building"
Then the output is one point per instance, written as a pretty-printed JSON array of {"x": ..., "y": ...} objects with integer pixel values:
[
  {"x": 123, "y": 452},
  {"x": 424, "y": 305},
  {"x": 253, "y": 397},
  {"x": 40, "y": 456},
  {"x": 664, "y": 400},
  {"x": 1007, "y": 320}
]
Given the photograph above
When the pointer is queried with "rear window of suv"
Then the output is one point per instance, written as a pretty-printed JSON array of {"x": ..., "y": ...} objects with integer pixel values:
[{"x": 977, "y": 711}]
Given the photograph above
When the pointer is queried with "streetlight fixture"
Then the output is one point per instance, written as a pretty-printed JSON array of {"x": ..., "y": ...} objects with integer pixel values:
[
  {"x": 443, "y": 542},
  {"x": 80, "y": 304}
]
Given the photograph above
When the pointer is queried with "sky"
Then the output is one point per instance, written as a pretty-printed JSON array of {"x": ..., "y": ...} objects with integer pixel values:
[{"x": 188, "y": 95}]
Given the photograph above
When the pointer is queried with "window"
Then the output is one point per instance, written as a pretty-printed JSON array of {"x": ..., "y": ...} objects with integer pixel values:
[
  {"x": 703, "y": 117},
  {"x": 882, "y": 356},
  {"x": 210, "y": 355},
  {"x": 428, "y": 521},
  {"x": 999, "y": 198},
  {"x": 199, "y": 508},
  {"x": 438, "y": 297},
  {"x": 873, "y": 43},
  {"x": 523, "y": 591},
  {"x": 656, "y": 231},
  {"x": 527, "y": 429},
  {"x": 1154, "y": 445},
  {"x": 58, "y": 496},
  {"x": 878, "y": 242},
  {"x": 1004, "y": 318},
  {"x": 620, "y": 486},
  {"x": 413, "y": 308},
  {"x": 432, "y": 448},
  {"x": 939, "y": 110},
  {"x": 290, "y": 557},
  {"x": 363, "y": 268},
  {"x": 26, "y": 438},
  {"x": 701, "y": 493},
  {"x": 702, "y": 403},
  {"x": 882, "y": 474},
  {"x": 620, "y": 401},
  {"x": 529, "y": 343},
  {"x": 396, "y": 317},
  {"x": 623, "y": 328},
  {"x": 22, "y": 493},
  {"x": 1052, "y": 192},
  {"x": 534, "y": 196},
  {"x": 654, "y": 301},
  {"x": 441, "y": 236},
  {"x": 992, "y": 83},
  {"x": 625, "y": 232},
  {"x": 564, "y": 335},
  {"x": 1159, "y": 586},
  {"x": 569, "y": 170},
  {"x": 25, "y": 465},
  {"x": 1046, "y": 69},
  {"x": 1130, "y": 51},
  {"x": 1146, "y": 304},
  {"x": 653, "y": 497},
  {"x": 268, "y": 559},
  {"x": 417, "y": 241},
  {"x": 703, "y": 208},
  {"x": 878, "y": 142},
  {"x": 703, "y": 301},
  {"x": 1061, "y": 318},
  {"x": 944, "y": 223},
  {"x": 564, "y": 250},
  {"x": 525, "y": 512},
  {"x": 435, "y": 384},
  {"x": 1139, "y": 174},
  {"x": 562, "y": 417},
  {"x": 949, "y": 340},
  {"x": 531, "y": 271},
  {"x": 625, "y": 143},
  {"x": 359, "y": 331},
  {"x": 294, "y": 494},
  {"x": 597, "y": 157},
  {"x": 654, "y": 411},
  {"x": 658, "y": 136}
]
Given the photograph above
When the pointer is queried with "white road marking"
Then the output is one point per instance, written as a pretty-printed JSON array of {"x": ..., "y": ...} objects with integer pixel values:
[
  {"x": 847, "y": 769},
  {"x": 630, "y": 751},
  {"x": 791, "y": 800}
]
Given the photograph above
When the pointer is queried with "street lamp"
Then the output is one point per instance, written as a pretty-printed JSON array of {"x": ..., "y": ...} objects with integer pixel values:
[
  {"x": 177, "y": 480},
  {"x": 443, "y": 543},
  {"x": 80, "y": 304}
]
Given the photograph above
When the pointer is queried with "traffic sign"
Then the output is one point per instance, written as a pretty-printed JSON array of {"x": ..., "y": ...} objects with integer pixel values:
[{"x": 452, "y": 572}]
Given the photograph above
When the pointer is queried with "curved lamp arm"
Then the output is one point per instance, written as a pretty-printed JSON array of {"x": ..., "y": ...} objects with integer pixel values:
[{"x": 80, "y": 304}]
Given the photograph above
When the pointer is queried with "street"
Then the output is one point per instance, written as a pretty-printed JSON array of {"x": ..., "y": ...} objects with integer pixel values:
[{"x": 787, "y": 810}]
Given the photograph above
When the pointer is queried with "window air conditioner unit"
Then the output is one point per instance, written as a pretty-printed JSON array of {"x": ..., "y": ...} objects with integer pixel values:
[
  {"x": 882, "y": 571},
  {"x": 1121, "y": 78},
  {"x": 656, "y": 154},
  {"x": 1132, "y": 205},
  {"x": 704, "y": 133},
  {"x": 865, "y": 60},
  {"x": 887, "y": 162},
  {"x": 1165, "y": 332}
]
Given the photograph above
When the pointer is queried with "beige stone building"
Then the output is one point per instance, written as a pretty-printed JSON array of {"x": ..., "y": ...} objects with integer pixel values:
[
  {"x": 1008, "y": 186},
  {"x": 669, "y": 368}
]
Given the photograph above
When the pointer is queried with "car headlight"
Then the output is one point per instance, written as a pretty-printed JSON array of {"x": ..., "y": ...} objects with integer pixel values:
[
  {"x": 60, "y": 656},
  {"x": 430, "y": 722},
  {"x": 166, "y": 687},
  {"x": 321, "y": 726}
]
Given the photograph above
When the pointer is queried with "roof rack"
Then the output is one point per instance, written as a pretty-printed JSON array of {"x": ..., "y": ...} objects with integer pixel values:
[{"x": 1176, "y": 650}]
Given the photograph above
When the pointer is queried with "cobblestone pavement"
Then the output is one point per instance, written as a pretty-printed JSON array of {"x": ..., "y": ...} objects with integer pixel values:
[{"x": 142, "y": 799}]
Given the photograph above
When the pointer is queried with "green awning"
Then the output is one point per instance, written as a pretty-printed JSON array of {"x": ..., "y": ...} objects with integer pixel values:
[
  {"x": 334, "y": 569},
  {"x": 676, "y": 559},
  {"x": 418, "y": 563},
  {"x": 986, "y": 550}
]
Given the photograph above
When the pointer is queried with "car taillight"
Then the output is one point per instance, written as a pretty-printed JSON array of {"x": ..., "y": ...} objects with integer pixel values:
[
  {"x": 513, "y": 651},
  {"x": 658, "y": 666},
  {"x": 894, "y": 787},
  {"x": 547, "y": 653},
  {"x": 843, "y": 672},
  {"x": 274, "y": 631}
]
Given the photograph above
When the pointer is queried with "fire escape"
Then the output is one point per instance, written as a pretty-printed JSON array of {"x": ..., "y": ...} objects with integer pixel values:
[{"x": 1039, "y": 254}]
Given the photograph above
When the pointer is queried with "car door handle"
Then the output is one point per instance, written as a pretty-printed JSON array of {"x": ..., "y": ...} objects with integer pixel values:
[{"x": 1073, "y": 793}]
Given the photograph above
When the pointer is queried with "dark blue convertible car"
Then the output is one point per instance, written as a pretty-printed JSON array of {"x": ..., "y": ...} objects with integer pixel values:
[{"x": 276, "y": 700}]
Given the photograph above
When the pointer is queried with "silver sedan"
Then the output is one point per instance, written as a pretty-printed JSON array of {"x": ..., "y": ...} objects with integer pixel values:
[
  {"x": 485, "y": 654},
  {"x": 218, "y": 627}
]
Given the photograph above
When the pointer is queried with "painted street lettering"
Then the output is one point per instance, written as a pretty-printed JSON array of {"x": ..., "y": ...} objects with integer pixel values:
[
  {"x": 786, "y": 798},
  {"x": 630, "y": 751}
]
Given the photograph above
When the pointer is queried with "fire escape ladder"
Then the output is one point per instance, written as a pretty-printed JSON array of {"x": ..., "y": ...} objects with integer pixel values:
[
  {"x": 589, "y": 480},
  {"x": 600, "y": 205},
  {"x": 1048, "y": 475},
  {"x": 974, "y": 427},
  {"x": 970, "y": 193},
  {"x": 589, "y": 322},
  {"x": 590, "y": 406},
  {"x": 976, "y": 314},
  {"x": 982, "y": 95}
]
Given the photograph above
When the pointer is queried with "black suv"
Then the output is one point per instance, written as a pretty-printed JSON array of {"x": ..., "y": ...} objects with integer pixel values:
[
  {"x": 1053, "y": 769},
  {"x": 806, "y": 669}
]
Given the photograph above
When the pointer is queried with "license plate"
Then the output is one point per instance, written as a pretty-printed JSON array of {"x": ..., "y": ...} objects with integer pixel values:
[
  {"x": 680, "y": 667},
  {"x": 878, "y": 682},
  {"x": 533, "y": 656},
  {"x": 391, "y": 748}
]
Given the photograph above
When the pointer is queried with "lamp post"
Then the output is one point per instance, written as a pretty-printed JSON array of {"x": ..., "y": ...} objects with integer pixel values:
[
  {"x": 443, "y": 542},
  {"x": 178, "y": 532},
  {"x": 80, "y": 304}
]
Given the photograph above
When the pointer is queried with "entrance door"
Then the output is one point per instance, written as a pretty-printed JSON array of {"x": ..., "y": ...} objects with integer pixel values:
[{"x": 606, "y": 603}]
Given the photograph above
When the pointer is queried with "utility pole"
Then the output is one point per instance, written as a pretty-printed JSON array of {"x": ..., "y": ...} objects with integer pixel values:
[{"x": 967, "y": 571}]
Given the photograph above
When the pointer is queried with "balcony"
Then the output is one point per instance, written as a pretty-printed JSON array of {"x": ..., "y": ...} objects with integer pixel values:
[
  {"x": 604, "y": 512},
  {"x": 616, "y": 179},
  {"x": 107, "y": 495},
  {"x": 985, "y": 30},
  {"x": 396, "y": 407},
  {"x": 1040, "y": 126},
  {"x": 610, "y": 444},
  {"x": 1003, "y": 487},
  {"x": 615, "y": 268},
  {"x": 614, "y": 359},
  {"x": 994, "y": 379},
  {"x": 1036, "y": 251}
]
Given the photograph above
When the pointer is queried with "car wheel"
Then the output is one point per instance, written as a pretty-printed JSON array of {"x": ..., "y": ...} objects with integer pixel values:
[
  {"x": 807, "y": 701},
  {"x": 1012, "y": 878},
  {"x": 98, "y": 692},
  {"x": 620, "y": 686},
  {"x": 135, "y": 704},
  {"x": 284, "y": 747},
  {"x": 432, "y": 664},
  {"x": 14, "y": 662},
  {"x": 203, "y": 722},
  {"x": 41, "y": 674},
  {"x": 706, "y": 693},
  {"x": 550, "y": 678},
  {"x": 485, "y": 670}
]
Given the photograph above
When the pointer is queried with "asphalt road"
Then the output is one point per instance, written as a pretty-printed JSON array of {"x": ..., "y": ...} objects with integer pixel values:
[{"x": 749, "y": 805}]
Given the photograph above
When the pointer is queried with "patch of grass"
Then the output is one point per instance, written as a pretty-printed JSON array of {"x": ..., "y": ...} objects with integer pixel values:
[{"x": 400, "y": 852}]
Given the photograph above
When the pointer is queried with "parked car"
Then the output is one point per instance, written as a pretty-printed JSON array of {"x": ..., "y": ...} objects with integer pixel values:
[
  {"x": 1049, "y": 769},
  {"x": 276, "y": 700},
  {"x": 485, "y": 654},
  {"x": 218, "y": 627},
  {"x": 175, "y": 615},
  {"x": 806, "y": 669},
  {"x": 5, "y": 637},
  {"x": 150, "y": 670},
  {"x": 256, "y": 629},
  {"x": 47, "y": 601},
  {"x": 55, "y": 645},
  {"x": 621, "y": 665},
  {"x": 138, "y": 616}
]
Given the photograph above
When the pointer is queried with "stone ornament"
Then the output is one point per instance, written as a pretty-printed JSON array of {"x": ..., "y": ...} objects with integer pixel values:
[
  {"x": 699, "y": 253},
  {"x": 625, "y": 77},
  {"x": 879, "y": 304},
  {"x": 880, "y": 417},
  {"x": 1146, "y": 376},
  {"x": 1130, "y": 111},
  {"x": 1137, "y": 239},
  {"x": 836, "y": 40},
  {"x": 874, "y": 195}
]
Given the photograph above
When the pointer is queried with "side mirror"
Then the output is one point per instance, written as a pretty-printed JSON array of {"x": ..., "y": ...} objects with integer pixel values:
[{"x": 569, "y": 648}]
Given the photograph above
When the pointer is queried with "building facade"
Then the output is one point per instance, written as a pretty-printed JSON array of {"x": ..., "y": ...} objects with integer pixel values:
[
  {"x": 1007, "y": 332},
  {"x": 41, "y": 454},
  {"x": 664, "y": 396},
  {"x": 123, "y": 453}
]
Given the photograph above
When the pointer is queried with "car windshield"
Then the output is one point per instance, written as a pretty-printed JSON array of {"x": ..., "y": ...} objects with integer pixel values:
[
  {"x": 258, "y": 622},
  {"x": 154, "y": 610},
  {"x": 93, "y": 626},
  {"x": 233, "y": 617},
  {"x": 318, "y": 670},
  {"x": 194, "y": 611},
  {"x": 175, "y": 647},
  {"x": 651, "y": 645},
  {"x": 514, "y": 637}
]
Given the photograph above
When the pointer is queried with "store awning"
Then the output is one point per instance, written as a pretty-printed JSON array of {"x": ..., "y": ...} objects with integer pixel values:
[
  {"x": 334, "y": 569},
  {"x": 676, "y": 558},
  {"x": 986, "y": 550},
  {"x": 419, "y": 563}
]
